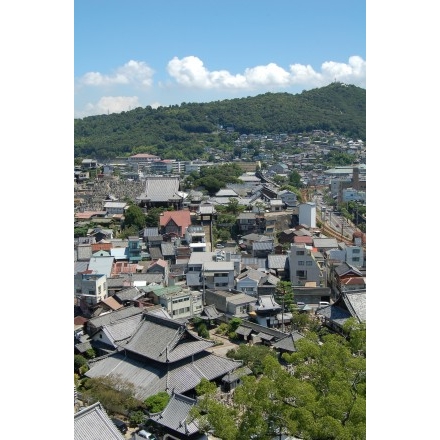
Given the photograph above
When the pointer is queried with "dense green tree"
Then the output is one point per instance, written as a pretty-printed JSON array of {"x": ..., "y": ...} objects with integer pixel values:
[
  {"x": 157, "y": 402},
  {"x": 190, "y": 131},
  {"x": 251, "y": 355},
  {"x": 134, "y": 216},
  {"x": 324, "y": 398},
  {"x": 116, "y": 394},
  {"x": 152, "y": 217},
  {"x": 79, "y": 361}
]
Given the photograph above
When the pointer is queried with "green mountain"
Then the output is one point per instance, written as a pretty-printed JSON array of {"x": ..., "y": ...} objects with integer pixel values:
[{"x": 184, "y": 131}]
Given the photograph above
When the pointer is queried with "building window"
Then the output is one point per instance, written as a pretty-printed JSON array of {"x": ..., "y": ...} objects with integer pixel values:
[
  {"x": 300, "y": 263},
  {"x": 308, "y": 263},
  {"x": 299, "y": 252},
  {"x": 356, "y": 251},
  {"x": 302, "y": 274},
  {"x": 356, "y": 259}
]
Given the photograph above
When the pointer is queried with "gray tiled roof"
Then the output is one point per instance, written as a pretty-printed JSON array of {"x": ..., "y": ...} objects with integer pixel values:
[
  {"x": 149, "y": 231},
  {"x": 164, "y": 340},
  {"x": 151, "y": 378},
  {"x": 356, "y": 303},
  {"x": 111, "y": 317},
  {"x": 263, "y": 246},
  {"x": 128, "y": 294},
  {"x": 335, "y": 314},
  {"x": 167, "y": 249},
  {"x": 161, "y": 189},
  {"x": 93, "y": 423},
  {"x": 237, "y": 374},
  {"x": 123, "y": 328},
  {"x": 276, "y": 261},
  {"x": 288, "y": 343},
  {"x": 175, "y": 414},
  {"x": 155, "y": 253},
  {"x": 211, "y": 312},
  {"x": 80, "y": 266}
]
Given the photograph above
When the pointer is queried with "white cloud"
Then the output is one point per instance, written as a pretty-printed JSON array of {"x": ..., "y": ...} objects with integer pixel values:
[
  {"x": 110, "y": 104},
  {"x": 267, "y": 76},
  {"x": 191, "y": 72},
  {"x": 135, "y": 73}
]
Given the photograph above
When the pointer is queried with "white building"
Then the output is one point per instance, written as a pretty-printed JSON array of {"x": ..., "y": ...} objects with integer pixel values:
[
  {"x": 307, "y": 214},
  {"x": 306, "y": 266},
  {"x": 90, "y": 287}
]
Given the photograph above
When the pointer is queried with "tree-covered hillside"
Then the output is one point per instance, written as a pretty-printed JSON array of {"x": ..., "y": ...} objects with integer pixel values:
[{"x": 183, "y": 131}]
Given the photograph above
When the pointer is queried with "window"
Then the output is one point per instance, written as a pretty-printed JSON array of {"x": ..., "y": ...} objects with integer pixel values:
[
  {"x": 308, "y": 263},
  {"x": 356, "y": 251},
  {"x": 355, "y": 258},
  {"x": 299, "y": 252},
  {"x": 300, "y": 263},
  {"x": 302, "y": 274}
]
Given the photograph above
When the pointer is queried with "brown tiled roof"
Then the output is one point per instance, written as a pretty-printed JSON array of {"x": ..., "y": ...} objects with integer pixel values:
[
  {"x": 181, "y": 218},
  {"x": 112, "y": 303},
  {"x": 101, "y": 247}
]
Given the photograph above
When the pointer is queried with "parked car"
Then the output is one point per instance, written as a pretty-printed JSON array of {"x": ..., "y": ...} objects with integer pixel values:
[
  {"x": 145, "y": 434},
  {"x": 121, "y": 425},
  {"x": 323, "y": 303}
]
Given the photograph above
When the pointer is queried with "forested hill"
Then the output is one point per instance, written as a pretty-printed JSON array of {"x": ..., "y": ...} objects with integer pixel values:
[{"x": 183, "y": 131}]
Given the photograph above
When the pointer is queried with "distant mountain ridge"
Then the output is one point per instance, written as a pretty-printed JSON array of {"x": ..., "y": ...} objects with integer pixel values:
[{"x": 183, "y": 131}]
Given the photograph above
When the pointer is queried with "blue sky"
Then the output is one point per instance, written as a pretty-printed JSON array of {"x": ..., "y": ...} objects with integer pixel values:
[{"x": 135, "y": 53}]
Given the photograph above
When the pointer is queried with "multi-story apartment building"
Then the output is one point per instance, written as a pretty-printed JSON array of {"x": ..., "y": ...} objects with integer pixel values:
[{"x": 306, "y": 266}]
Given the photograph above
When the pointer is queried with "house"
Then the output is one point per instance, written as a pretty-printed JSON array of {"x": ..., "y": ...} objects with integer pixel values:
[
  {"x": 168, "y": 251},
  {"x": 92, "y": 288},
  {"x": 325, "y": 244},
  {"x": 163, "y": 355},
  {"x": 248, "y": 222},
  {"x": 232, "y": 303},
  {"x": 149, "y": 233},
  {"x": 348, "y": 305},
  {"x": 268, "y": 284},
  {"x": 93, "y": 422},
  {"x": 261, "y": 249},
  {"x": 101, "y": 265},
  {"x": 115, "y": 208},
  {"x": 101, "y": 234},
  {"x": 347, "y": 277},
  {"x": 174, "y": 223},
  {"x": 289, "y": 198},
  {"x": 256, "y": 334},
  {"x": 305, "y": 265},
  {"x": 179, "y": 302},
  {"x": 195, "y": 237},
  {"x": 159, "y": 267},
  {"x": 134, "y": 249},
  {"x": 247, "y": 281},
  {"x": 250, "y": 239},
  {"x": 276, "y": 205},
  {"x": 278, "y": 265},
  {"x": 218, "y": 275},
  {"x": 265, "y": 310}
]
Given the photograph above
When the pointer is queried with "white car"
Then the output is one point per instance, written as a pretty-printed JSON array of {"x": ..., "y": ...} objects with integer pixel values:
[{"x": 145, "y": 434}]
